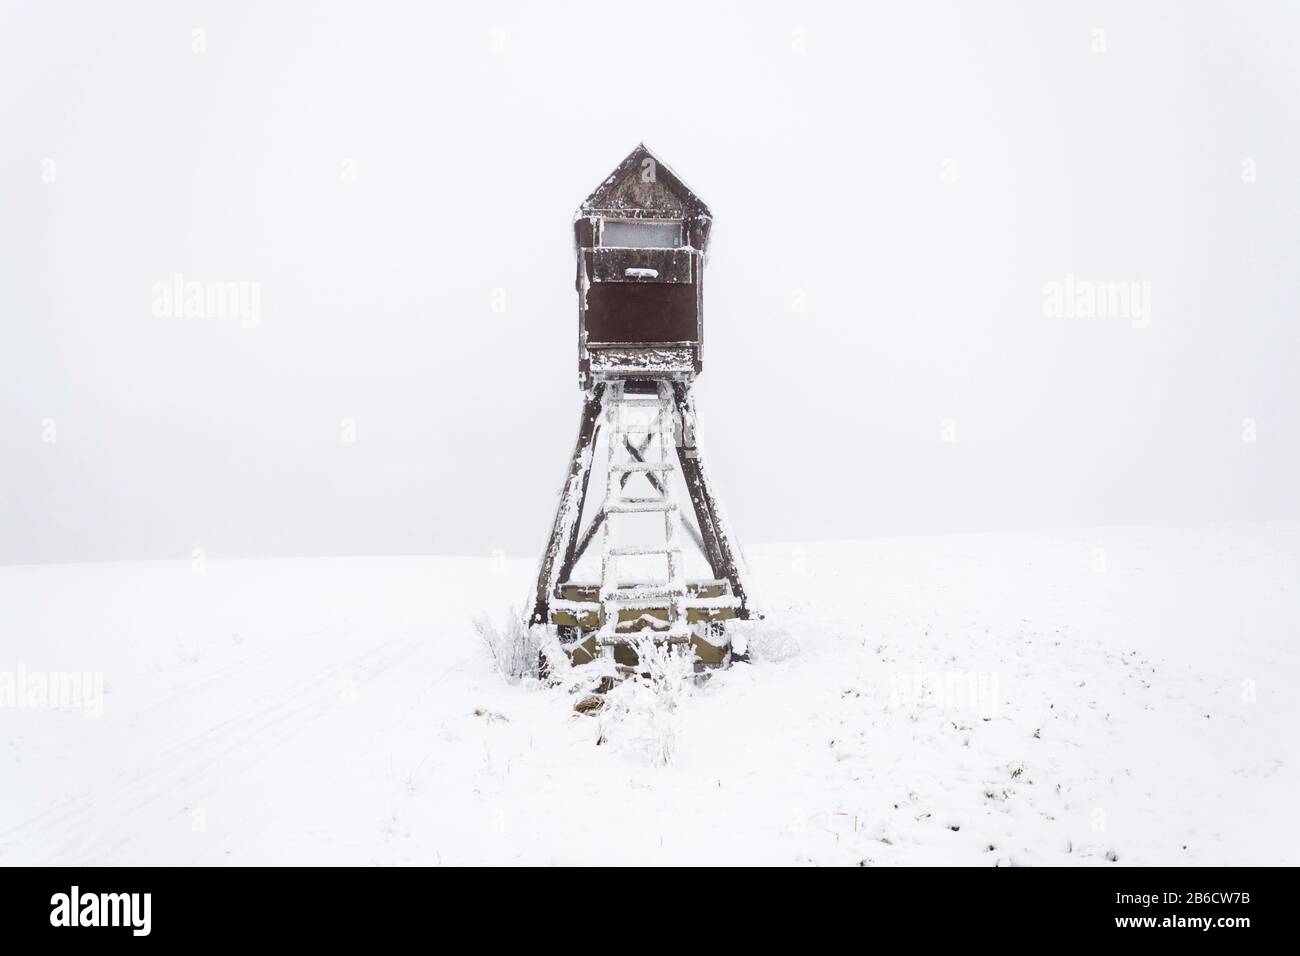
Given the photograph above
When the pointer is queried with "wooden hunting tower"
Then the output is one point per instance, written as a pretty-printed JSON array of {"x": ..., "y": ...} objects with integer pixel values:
[{"x": 641, "y": 240}]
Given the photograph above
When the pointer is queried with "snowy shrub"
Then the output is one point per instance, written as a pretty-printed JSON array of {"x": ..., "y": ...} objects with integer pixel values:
[
  {"x": 669, "y": 669},
  {"x": 641, "y": 713},
  {"x": 560, "y": 670},
  {"x": 515, "y": 648}
]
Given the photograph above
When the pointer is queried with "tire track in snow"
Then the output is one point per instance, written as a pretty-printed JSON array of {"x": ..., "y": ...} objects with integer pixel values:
[{"x": 94, "y": 824}]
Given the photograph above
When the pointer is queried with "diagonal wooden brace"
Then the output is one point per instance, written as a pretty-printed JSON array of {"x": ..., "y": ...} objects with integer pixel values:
[{"x": 558, "y": 558}]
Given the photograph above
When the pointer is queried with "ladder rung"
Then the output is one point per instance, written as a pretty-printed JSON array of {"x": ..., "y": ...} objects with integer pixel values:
[
  {"x": 647, "y": 603},
  {"x": 658, "y": 628},
  {"x": 632, "y": 592},
  {"x": 675, "y": 588},
  {"x": 634, "y": 549},
  {"x": 645, "y": 466},
  {"x": 681, "y": 632},
  {"x": 660, "y": 637},
  {"x": 639, "y": 505}
]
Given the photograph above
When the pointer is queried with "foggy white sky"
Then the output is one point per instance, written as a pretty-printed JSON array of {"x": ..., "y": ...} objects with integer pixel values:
[{"x": 913, "y": 174}]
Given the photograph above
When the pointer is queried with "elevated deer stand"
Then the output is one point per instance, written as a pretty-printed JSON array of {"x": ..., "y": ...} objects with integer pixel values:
[{"x": 641, "y": 239}]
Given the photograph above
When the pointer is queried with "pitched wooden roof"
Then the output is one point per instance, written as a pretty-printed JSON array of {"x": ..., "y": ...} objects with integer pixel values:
[{"x": 637, "y": 188}]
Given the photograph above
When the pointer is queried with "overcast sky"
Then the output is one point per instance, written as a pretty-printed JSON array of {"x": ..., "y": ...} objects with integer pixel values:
[{"x": 902, "y": 192}]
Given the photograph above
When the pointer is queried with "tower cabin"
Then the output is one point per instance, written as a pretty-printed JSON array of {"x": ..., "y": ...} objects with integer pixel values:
[{"x": 641, "y": 239}]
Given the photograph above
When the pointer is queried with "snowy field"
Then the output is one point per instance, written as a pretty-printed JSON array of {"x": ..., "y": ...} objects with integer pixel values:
[{"x": 1115, "y": 697}]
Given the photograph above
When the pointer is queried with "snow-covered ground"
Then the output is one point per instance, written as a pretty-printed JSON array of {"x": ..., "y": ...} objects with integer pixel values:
[{"x": 1120, "y": 696}]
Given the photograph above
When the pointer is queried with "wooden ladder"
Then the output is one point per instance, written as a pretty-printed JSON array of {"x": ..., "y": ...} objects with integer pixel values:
[{"x": 652, "y": 417}]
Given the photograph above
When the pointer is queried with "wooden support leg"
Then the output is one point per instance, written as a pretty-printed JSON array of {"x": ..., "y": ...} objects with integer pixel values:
[
  {"x": 559, "y": 554},
  {"x": 718, "y": 547}
]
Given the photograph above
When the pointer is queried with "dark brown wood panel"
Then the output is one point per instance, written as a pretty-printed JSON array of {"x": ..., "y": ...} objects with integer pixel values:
[{"x": 642, "y": 312}]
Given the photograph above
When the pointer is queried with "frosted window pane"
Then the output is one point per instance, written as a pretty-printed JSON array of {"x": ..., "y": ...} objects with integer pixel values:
[{"x": 646, "y": 234}]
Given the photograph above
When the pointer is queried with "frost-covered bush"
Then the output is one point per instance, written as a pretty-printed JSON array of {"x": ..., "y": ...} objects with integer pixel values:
[
  {"x": 515, "y": 648},
  {"x": 642, "y": 712}
]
